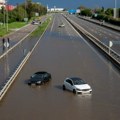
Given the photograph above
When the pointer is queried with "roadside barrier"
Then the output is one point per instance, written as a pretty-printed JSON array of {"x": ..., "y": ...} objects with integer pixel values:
[
  {"x": 113, "y": 27},
  {"x": 12, "y": 78},
  {"x": 115, "y": 57}
]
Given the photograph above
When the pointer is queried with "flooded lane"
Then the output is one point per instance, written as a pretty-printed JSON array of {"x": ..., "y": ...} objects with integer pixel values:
[
  {"x": 63, "y": 53},
  {"x": 105, "y": 35}
]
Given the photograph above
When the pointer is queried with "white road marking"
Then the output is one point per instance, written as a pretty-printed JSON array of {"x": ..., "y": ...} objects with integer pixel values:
[{"x": 52, "y": 25}]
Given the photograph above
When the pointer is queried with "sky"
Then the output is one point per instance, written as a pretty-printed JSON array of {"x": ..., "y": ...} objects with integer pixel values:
[{"x": 73, "y": 4}]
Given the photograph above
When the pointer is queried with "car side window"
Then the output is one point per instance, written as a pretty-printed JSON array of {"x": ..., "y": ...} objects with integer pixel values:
[
  {"x": 45, "y": 75},
  {"x": 70, "y": 82}
]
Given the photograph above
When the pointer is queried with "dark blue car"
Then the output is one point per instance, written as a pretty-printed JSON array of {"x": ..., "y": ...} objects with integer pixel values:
[{"x": 39, "y": 78}]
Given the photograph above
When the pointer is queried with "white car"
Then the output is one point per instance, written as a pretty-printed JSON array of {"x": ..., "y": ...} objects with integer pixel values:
[
  {"x": 76, "y": 85},
  {"x": 35, "y": 22},
  {"x": 62, "y": 25}
]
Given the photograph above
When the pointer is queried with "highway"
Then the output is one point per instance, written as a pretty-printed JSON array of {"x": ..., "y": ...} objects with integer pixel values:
[
  {"x": 20, "y": 44},
  {"x": 64, "y": 53},
  {"x": 19, "y": 34},
  {"x": 103, "y": 34}
]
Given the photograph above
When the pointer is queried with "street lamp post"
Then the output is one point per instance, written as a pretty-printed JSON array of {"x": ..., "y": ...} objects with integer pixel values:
[
  {"x": 6, "y": 15},
  {"x": 115, "y": 9}
]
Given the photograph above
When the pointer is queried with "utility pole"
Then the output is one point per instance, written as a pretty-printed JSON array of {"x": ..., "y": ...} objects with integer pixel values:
[
  {"x": 6, "y": 7},
  {"x": 115, "y": 9}
]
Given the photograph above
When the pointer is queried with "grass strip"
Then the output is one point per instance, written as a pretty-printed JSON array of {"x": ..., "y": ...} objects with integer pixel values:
[
  {"x": 41, "y": 28},
  {"x": 11, "y": 26}
]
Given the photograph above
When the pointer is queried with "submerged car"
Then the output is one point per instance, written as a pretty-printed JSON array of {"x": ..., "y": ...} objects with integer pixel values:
[
  {"x": 35, "y": 22},
  {"x": 39, "y": 78},
  {"x": 62, "y": 25},
  {"x": 76, "y": 85}
]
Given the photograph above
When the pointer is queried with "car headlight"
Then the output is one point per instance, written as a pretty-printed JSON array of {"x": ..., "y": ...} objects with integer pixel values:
[
  {"x": 39, "y": 82},
  {"x": 78, "y": 89}
]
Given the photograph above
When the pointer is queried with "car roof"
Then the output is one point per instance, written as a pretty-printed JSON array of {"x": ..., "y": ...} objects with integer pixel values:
[
  {"x": 40, "y": 72},
  {"x": 34, "y": 79},
  {"x": 76, "y": 80}
]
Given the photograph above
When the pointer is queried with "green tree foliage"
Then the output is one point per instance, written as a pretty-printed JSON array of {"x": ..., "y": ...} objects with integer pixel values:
[
  {"x": 86, "y": 12},
  {"x": 102, "y": 10},
  {"x": 33, "y": 8},
  {"x": 119, "y": 12},
  {"x": 24, "y": 10},
  {"x": 109, "y": 12},
  {"x": 1, "y": 17},
  {"x": 2, "y": 14},
  {"x": 81, "y": 7},
  {"x": 17, "y": 14}
]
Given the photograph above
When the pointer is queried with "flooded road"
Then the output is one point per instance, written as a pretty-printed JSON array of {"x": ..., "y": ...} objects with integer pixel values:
[
  {"x": 64, "y": 53},
  {"x": 103, "y": 34}
]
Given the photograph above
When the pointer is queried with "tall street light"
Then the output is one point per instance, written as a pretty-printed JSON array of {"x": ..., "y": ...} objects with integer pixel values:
[
  {"x": 6, "y": 15},
  {"x": 115, "y": 9}
]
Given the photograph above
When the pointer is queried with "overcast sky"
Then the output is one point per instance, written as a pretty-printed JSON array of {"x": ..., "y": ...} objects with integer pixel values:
[{"x": 73, "y": 3}]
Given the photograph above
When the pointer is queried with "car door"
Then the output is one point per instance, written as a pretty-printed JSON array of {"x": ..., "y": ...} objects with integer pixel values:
[
  {"x": 45, "y": 77},
  {"x": 69, "y": 84}
]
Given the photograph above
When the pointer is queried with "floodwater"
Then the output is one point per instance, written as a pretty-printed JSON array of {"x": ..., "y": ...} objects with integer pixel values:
[{"x": 63, "y": 53}]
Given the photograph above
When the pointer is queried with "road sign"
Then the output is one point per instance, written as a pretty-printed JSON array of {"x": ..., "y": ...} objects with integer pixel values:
[{"x": 6, "y": 44}]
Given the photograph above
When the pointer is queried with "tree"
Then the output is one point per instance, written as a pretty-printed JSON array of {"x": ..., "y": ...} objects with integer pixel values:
[
  {"x": 24, "y": 10},
  {"x": 19, "y": 12},
  {"x": 81, "y": 7},
  {"x": 1, "y": 17},
  {"x": 109, "y": 12},
  {"x": 86, "y": 12}
]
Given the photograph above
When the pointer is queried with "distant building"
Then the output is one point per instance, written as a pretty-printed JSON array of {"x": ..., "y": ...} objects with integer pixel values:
[
  {"x": 7, "y": 7},
  {"x": 2, "y": 3},
  {"x": 10, "y": 7},
  {"x": 54, "y": 9}
]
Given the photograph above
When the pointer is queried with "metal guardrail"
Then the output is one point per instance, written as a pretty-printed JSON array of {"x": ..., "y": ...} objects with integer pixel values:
[
  {"x": 12, "y": 78},
  {"x": 111, "y": 53},
  {"x": 107, "y": 25}
]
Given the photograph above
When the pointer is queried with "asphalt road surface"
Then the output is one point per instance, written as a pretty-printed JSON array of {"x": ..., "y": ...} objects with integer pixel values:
[
  {"x": 20, "y": 34},
  {"x": 103, "y": 34},
  {"x": 64, "y": 53}
]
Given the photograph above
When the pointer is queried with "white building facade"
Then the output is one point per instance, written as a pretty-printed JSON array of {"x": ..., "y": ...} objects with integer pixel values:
[{"x": 54, "y": 9}]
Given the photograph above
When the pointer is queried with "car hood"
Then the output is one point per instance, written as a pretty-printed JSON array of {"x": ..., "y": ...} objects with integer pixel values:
[{"x": 83, "y": 86}]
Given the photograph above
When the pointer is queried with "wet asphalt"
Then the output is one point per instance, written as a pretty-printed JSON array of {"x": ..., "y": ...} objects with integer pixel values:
[{"x": 64, "y": 53}]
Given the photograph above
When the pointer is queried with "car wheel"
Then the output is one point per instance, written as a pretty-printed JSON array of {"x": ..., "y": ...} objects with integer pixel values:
[
  {"x": 64, "y": 87},
  {"x": 74, "y": 91},
  {"x": 36, "y": 84},
  {"x": 29, "y": 83}
]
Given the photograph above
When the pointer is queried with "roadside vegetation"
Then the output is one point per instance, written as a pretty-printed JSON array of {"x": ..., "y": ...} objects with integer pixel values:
[
  {"x": 101, "y": 14},
  {"x": 20, "y": 16},
  {"x": 12, "y": 27},
  {"x": 41, "y": 28}
]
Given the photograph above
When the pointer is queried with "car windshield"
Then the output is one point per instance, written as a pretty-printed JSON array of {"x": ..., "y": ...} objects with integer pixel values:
[
  {"x": 78, "y": 81},
  {"x": 37, "y": 74},
  {"x": 36, "y": 78}
]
